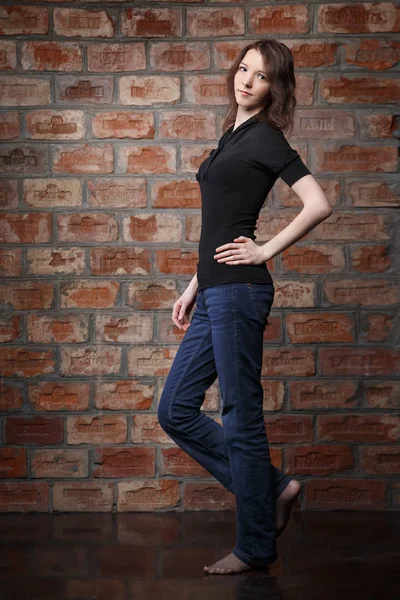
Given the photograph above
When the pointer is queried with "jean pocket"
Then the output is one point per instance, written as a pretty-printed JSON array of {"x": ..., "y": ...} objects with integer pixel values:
[{"x": 262, "y": 297}]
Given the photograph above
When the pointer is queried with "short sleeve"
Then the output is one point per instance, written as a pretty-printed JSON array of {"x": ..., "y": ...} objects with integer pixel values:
[{"x": 274, "y": 152}]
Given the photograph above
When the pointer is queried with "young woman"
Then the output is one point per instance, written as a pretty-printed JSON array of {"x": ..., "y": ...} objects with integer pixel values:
[{"x": 234, "y": 292}]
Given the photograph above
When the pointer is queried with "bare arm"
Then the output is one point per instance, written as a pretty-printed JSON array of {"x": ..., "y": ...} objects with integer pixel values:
[{"x": 316, "y": 209}]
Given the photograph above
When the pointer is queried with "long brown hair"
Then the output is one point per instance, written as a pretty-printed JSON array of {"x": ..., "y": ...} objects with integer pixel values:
[{"x": 281, "y": 100}]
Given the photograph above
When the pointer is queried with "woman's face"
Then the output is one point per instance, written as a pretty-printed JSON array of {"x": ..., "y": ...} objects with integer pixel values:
[{"x": 251, "y": 77}]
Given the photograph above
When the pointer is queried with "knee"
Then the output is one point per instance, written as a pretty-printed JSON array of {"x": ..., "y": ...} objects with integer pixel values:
[{"x": 163, "y": 415}]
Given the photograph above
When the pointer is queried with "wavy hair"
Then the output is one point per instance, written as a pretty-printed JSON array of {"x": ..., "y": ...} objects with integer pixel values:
[{"x": 281, "y": 100}]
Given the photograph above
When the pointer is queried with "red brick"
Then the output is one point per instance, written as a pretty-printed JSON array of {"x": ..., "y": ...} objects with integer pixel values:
[
  {"x": 370, "y": 259},
  {"x": 18, "y": 20},
  {"x": 377, "y": 125},
  {"x": 117, "y": 57},
  {"x": 118, "y": 192},
  {"x": 51, "y": 261},
  {"x": 215, "y": 22},
  {"x": 8, "y": 55},
  {"x": 127, "y": 328},
  {"x": 83, "y": 23},
  {"x": 305, "y": 328},
  {"x": 377, "y": 327},
  {"x": 189, "y": 124},
  {"x": 147, "y": 495},
  {"x": 322, "y": 459},
  {"x": 289, "y": 428},
  {"x": 52, "y": 193},
  {"x": 315, "y": 259},
  {"x": 24, "y": 91},
  {"x": 372, "y": 193},
  {"x": 180, "y": 56},
  {"x": 297, "y": 362},
  {"x": 8, "y": 194},
  {"x": 10, "y": 328},
  {"x": 27, "y": 295},
  {"x": 151, "y": 22},
  {"x": 359, "y": 361},
  {"x": 91, "y": 361},
  {"x": 35, "y": 429},
  {"x": 58, "y": 396},
  {"x": 84, "y": 89},
  {"x": 55, "y": 125},
  {"x": 178, "y": 193},
  {"x": 12, "y": 462},
  {"x": 10, "y": 262},
  {"x": 311, "y": 54},
  {"x": 87, "y": 227},
  {"x": 375, "y": 55},
  {"x": 362, "y": 90},
  {"x": 123, "y": 394},
  {"x": 9, "y": 125},
  {"x": 89, "y": 294},
  {"x": 57, "y": 463},
  {"x": 207, "y": 496},
  {"x": 83, "y": 159},
  {"x": 360, "y": 18},
  {"x": 359, "y": 428},
  {"x": 384, "y": 395},
  {"x": 124, "y": 462},
  {"x": 177, "y": 462},
  {"x": 279, "y": 19},
  {"x": 367, "y": 292},
  {"x": 24, "y": 496},
  {"x": 149, "y": 89},
  {"x": 146, "y": 159},
  {"x": 120, "y": 261},
  {"x": 152, "y": 295},
  {"x": 316, "y": 394},
  {"x": 51, "y": 56},
  {"x": 380, "y": 460},
  {"x": 10, "y": 397},
  {"x": 290, "y": 293},
  {"x": 107, "y": 429},
  {"x": 274, "y": 393},
  {"x": 47, "y": 329},
  {"x": 150, "y": 227},
  {"x": 88, "y": 496},
  {"x": 29, "y": 160},
  {"x": 349, "y": 494},
  {"x": 346, "y": 158},
  {"x": 123, "y": 124},
  {"x": 176, "y": 260},
  {"x": 147, "y": 429},
  {"x": 23, "y": 362},
  {"x": 25, "y": 228},
  {"x": 150, "y": 361}
]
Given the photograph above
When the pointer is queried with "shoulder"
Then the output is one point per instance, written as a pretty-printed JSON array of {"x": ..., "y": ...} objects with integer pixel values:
[{"x": 265, "y": 132}]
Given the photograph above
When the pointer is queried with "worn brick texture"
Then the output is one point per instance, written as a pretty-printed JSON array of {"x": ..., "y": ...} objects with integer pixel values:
[{"x": 107, "y": 108}]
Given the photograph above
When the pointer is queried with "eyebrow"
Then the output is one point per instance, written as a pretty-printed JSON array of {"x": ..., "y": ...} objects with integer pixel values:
[{"x": 243, "y": 63}]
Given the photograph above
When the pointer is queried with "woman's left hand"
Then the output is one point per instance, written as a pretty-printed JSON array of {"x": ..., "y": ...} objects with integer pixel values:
[{"x": 242, "y": 251}]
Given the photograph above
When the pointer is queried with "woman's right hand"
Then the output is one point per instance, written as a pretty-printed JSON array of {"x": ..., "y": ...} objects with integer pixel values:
[{"x": 182, "y": 307}]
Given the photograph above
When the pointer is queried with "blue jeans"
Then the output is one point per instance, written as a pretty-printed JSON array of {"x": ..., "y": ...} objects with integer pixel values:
[{"x": 225, "y": 339}]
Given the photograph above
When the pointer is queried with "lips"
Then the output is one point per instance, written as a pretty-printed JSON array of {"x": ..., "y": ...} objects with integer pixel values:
[{"x": 243, "y": 92}]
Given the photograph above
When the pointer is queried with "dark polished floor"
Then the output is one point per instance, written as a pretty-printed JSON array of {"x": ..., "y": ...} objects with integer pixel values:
[{"x": 321, "y": 556}]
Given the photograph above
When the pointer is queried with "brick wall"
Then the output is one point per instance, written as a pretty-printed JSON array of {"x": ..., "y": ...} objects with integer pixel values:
[{"x": 108, "y": 108}]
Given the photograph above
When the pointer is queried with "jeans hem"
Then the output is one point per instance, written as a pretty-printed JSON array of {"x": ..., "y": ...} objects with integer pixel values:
[
  {"x": 254, "y": 563},
  {"x": 283, "y": 485}
]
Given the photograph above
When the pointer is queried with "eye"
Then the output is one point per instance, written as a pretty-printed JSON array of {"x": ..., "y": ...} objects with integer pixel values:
[{"x": 264, "y": 78}]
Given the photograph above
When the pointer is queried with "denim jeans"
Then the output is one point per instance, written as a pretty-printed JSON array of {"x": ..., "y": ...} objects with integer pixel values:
[{"x": 225, "y": 339}]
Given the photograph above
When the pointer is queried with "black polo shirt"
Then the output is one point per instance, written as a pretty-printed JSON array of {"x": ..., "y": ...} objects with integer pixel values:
[{"x": 234, "y": 182}]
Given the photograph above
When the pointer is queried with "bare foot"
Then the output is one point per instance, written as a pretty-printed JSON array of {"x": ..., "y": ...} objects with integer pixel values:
[
  {"x": 229, "y": 564},
  {"x": 284, "y": 504}
]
